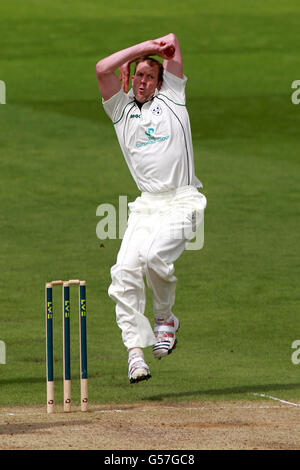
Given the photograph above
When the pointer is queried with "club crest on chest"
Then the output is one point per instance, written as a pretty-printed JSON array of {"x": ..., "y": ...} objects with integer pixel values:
[{"x": 157, "y": 111}]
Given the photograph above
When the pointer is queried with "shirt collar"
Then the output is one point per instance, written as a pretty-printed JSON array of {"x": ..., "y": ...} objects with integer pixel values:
[{"x": 131, "y": 95}]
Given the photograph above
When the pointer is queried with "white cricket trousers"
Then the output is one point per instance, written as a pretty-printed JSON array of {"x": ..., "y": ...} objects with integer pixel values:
[{"x": 158, "y": 228}]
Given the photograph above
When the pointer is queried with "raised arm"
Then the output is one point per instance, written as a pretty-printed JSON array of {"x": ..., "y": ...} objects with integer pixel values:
[
  {"x": 109, "y": 82},
  {"x": 174, "y": 64}
]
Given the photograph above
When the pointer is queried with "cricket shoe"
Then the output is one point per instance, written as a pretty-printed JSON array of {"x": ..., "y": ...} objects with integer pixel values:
[
  {"x": 138, "y": 369},
  {"x": 165, "y": 337}
]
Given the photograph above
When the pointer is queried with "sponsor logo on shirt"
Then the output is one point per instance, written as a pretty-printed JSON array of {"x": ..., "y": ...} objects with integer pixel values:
[
  {"x": 151, "y": 138},
  {"x": 149, "y": 132}
]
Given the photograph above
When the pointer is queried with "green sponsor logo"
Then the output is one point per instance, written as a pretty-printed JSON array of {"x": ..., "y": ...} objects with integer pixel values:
[{"x": 152, "y": 139}]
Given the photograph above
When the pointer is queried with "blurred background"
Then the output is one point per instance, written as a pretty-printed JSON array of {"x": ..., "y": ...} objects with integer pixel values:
[{"x": 60, "y": 159}]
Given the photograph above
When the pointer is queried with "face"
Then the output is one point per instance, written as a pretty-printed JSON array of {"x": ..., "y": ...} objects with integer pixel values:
[{"x": 145, "y": 81}]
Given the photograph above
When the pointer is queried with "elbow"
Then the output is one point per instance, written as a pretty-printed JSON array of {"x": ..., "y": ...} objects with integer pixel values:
[
  {"x": 173, "y": 38},
  {"x": 100, "y": 68}
]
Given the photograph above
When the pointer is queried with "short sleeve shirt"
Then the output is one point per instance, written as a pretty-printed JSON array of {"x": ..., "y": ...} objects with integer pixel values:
[{"x": 156, "y": 140}]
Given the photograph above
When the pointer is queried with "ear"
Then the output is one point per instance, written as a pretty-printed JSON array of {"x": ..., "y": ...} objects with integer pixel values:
[{"x": 159, "y": 85}]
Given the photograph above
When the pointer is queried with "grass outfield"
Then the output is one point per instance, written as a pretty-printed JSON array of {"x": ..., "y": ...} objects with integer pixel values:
[{"x": 237, "y": 298}]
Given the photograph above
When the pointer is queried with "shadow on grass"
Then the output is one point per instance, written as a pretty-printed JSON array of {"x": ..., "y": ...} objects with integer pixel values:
[
  {"x": 239, "y": 390},
  {"x": 22, "y": 380}
]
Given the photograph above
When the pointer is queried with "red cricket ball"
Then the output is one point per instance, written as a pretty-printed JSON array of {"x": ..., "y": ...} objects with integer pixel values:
[{"x": 170, "y": 51}]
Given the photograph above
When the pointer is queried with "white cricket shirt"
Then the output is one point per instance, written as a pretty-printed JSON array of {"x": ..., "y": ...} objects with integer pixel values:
[{"x": 156, "y": 141}]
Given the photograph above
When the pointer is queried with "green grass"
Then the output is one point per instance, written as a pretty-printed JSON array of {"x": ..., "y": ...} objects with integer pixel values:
[{"x": 237, "y": 298}]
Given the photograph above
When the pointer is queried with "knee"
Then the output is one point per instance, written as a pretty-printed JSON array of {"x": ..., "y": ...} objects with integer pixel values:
[
  {"x": 153, "y": 260},
  {"x": 147, "y": 259},
  {"x": 116, "y": 287},
  {"x": 124, "y": 279}
]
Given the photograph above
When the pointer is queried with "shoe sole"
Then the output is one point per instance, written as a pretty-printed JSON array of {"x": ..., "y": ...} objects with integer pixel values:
[{"x": 140, "y": 379}]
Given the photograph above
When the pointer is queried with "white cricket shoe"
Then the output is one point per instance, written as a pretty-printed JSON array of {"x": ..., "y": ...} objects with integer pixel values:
[
  {"x": 138, "y": 369},
  {"x": 165, "y": 337}
]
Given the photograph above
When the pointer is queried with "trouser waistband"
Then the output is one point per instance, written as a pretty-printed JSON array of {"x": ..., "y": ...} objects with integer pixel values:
[{"x": 168, "y": 194}]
